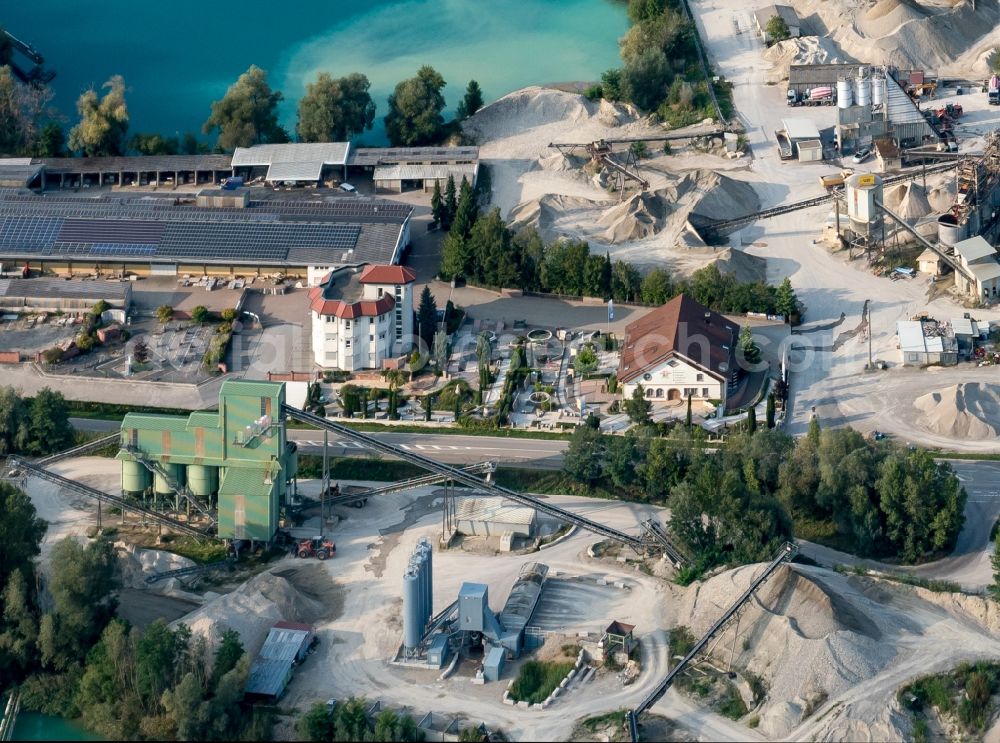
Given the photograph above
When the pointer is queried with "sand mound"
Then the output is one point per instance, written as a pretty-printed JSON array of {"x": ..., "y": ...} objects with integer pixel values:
[
  {"x": 803, "y": 50},
  {"x": 528, "y": 108},
  {"x": 970, "y": 410},
  {"x": 942, "y": 198},
  {"x": 948, "y": 37},
  {"x": 643, "y": 215},
  {"x": 252, "y": 609},
  {"x": 806, "y": 638},
  {"x": 557, "y": 162},
  {"x": 914, "y": 205},
  {"x": 138, "y": 564},
  {"x": 893, "y": 195}
]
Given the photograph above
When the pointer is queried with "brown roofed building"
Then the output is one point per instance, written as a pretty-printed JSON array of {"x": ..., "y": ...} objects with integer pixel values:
[{"x": 678, "y": 350}]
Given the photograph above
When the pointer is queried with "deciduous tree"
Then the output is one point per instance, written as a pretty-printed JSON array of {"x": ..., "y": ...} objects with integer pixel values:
[
  {"x": 103, "y": 121},
  {"x": 248, "y": 113},
  {"x": 415, "y": 108},
  {"x": 335, "y": 110}
]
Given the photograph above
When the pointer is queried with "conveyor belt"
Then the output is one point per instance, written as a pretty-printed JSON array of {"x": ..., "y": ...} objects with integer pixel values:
[{"x": 77, "y": 451}]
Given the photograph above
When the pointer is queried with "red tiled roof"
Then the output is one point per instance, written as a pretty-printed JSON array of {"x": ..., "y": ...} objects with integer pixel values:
[
  {"x": 350, "y": 310},
  {"x": 682, "y": 326},
  {"x": 387, "y": 275}
]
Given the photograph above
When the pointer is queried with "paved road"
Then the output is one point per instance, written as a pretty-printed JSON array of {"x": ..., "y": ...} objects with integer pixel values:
[
  {"x": 968, "y": 565},
  {"x": 448, "y": 448}
]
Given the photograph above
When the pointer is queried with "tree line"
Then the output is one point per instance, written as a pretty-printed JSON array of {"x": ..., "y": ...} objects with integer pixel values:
[
  {"x": 331, "y": 110},
  {"x": 737, "y": 504},
  {"x": 483, "y": 249},
  {"x": 34, "y": 426},
  {"x": 661, "y": 71},
  {"x": 62, "y": 644}
]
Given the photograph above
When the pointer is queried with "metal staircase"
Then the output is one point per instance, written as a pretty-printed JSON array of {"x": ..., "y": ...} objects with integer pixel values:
[
  {"x": 786, "y": 553},
  {"x": 18, "y": 468},
  {"x": 182, "y": 491}
]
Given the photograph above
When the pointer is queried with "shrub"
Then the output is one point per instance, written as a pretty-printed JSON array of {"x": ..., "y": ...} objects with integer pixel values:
[
  {"x": 200, "y": 314},
  {"x": 593, "y": 93},
  {"x": 164, "y": 312},
  {"x": 537, "y": 680},
  {"x": 52, "y": 355}
]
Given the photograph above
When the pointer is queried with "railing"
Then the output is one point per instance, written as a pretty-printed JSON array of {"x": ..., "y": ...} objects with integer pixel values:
[
  {"x": 458, "y": 475},
  {"x": 16, "y": 464},
  {"x": 155, "y": 467},
  {"x": 787, "y": 552},
  {"x": 77, "y": 451}
]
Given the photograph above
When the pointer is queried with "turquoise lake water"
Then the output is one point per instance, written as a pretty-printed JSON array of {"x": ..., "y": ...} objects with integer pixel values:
[
  {"x": 178, "y": 57},
  {"x": 32, "y": 726}
]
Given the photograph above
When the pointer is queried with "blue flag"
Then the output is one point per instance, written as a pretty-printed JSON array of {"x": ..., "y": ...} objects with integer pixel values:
[{"x": 611, "y": 310}]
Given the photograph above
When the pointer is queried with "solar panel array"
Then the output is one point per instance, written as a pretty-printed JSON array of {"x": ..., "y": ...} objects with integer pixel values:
[{"x": 268, "y": 231}]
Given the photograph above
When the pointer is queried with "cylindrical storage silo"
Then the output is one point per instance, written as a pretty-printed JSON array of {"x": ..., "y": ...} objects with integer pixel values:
[
  {"x": 878, "y": 91},
  {"x": 949, "y": 230},
  {"x": 160, "y": 485},
  {"x": 415, "y": 568},
  {"x": 425, "y": 581},
  {"x": 135, "y": 477},
  {"x": 203, "y": 480},
  {"x": 864, "y": 90},
  {"x": 845, "y": 93},
  {"x": 429, "y": 567},
  {"x": 863, "y": 190},
  {"x": 411, "y": 610},
  {"x": 175, "y": 473}
]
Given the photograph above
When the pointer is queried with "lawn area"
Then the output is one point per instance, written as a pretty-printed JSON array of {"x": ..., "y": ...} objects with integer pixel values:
[{"x": 537, "y": 680}]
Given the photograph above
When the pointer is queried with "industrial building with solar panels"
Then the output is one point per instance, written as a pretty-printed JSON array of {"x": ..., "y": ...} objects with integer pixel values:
[{"x": 217, "y": 232}]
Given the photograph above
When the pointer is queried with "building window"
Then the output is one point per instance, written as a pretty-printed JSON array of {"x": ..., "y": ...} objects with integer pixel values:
[
  {"x": 673, "y": 364},
  {"x": 371, "y": 338},
  {"x": 381, "y": 291},
  {"x": 371, "y": 320},
  {"x": 347, "y": 343},
  {"x": 649, "y": 392},
  {"x": 659, "y": 392},
  {"x": 699, "y": 377},
  {"x": 347, "y": 324},
  {"x": 704, "y": 391}
]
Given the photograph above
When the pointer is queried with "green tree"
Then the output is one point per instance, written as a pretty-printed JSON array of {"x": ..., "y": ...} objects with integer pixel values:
[
  {"x": 227, "y": 655},
  {"x": 472, "y": 102},
  {"x": 248, "y": 113},
  {"x": 770, "y": 410},
  {"x": 200, "y": 314},
  {"x": 437, "y": 203},
  {"x": 415, "y": 108},
  {"x": 335, "y": 110},
  {"x": 777, "y": 30},
  {"x": 22, "y": 109},
  {"x": 687, "y": 416},
  {"x": 563, "y": 266},
  {"x": 352, "y": 720},
  {"x": 749, "y": 349},
  {"x": 640, "y": 11},
  {"x": 15, "y": 431},
  {"x": 51, "y": 141},
  {"x": 751, "y": 420},
  {"x": 656, "y": 287},
  {"x": 317, "y": 724},
  {"x": 645, "y": 79},
  {"x": 786, "y": 303},
  {"x": 103, "y": 121},
  {"x": 995, "y": 563},
  {"x": 625, "y": 281},
  {"x": 187, "y": 709},
  {"x": 164, "y": 313},
  {"x": 489, "y": 254},
  {"x": 53, "y": 355},
  {"x": 18, "y": 629},
  {"x": 637, "y": 407},
  {"x": 585, "y": 361},
  {"x": 49, "y": 426},
  {"x": 582, "y": 460},
  {"x": 21, "y": 533},
  {"x": 450, "y": 202},
  {"x": 427, "y": 316},
  {"x": 611, "y": 84},
  {"x": 153, "y": 144},
  {"x": 81, "y": 587}
]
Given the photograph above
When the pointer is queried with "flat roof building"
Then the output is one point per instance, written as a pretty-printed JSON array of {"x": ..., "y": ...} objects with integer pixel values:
[
  {"x": 925, "y": 343},
  {"x": 164, "y": 236},
  {"x": 59, "y": 295},
  {"x": 293, "y": 162},
  {"x": 287, "y": 644}
]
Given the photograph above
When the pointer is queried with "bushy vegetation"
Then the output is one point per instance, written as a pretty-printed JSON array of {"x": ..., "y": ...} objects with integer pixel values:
[
  {"x": 349, "y": 721},
  {"x": 537, "y": 679},
  {"x": 483, "y": 249},
  {"x": 963, "y": 696},
  {"x": 737, "y": 504},
  {"x": 661, "y": 70},
  {"x": 35, "y": 426}
]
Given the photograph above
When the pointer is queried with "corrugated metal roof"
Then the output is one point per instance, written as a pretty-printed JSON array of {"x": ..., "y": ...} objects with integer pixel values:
[
  {"x": 284, "y": 644},
  {"x": 964, "y": 326},
  {"x": 203, "y": 420},
  {"x": 268, "y": 677},
  {"x": 250, "y": 388},
  {"x": 308, "y": 171},
  {"x": 61, "y": 288},
  {"x": 901, "y": 108},
  {"x": 326, "y": 153},
  {"x": 393, "y": 155},
  {"x": 912, "y": 338},
  {"x": 155, "y": 422},
  {"x": 985, "y": 271},
  {"x": 974, "y": 249},
  {"x": 424, "y": 172},
  {"x": 799, "y": 128},
  {"x": 246, "y": 481}
]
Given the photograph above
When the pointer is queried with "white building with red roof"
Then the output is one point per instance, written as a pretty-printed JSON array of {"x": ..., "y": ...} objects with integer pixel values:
[{"x": 361, "y": 316}]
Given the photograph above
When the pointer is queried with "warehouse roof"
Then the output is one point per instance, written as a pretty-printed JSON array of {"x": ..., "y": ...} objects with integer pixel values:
[
  {"x": 95, "y": 290},
  {"x": 323, "y": 231},
  {"x": 412, "y": 155},
  {"x": 407, "y": 172},
  {"x": 325, "y": 153},
  {"x": 133, "y": 164},
  {"x": 985, "y": 271},
  {"x": 965, "y": 326},
  {"x": 19, "y": 170},
  {"x": 799, "y": 128},
  {"x": 286, "y": 641},
  {"x": 914, "y": 338},
  {"x": 268, "y": 678}
]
